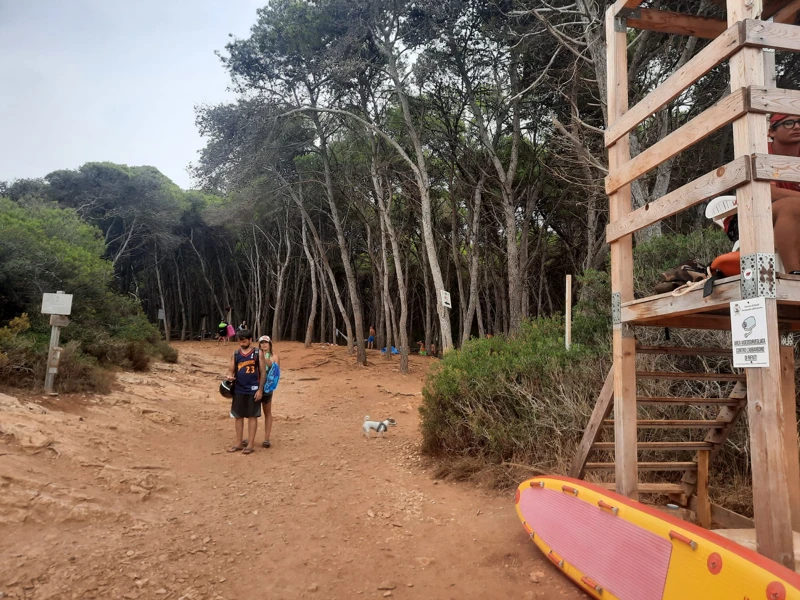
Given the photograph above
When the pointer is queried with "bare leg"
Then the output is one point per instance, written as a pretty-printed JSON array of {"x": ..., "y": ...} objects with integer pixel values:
[
  {"x": 267, "y": 422},
  {"x": 239, "y": 425},
  {"x": 252, "y": 427},
  {"x": 786, "y": 220}
]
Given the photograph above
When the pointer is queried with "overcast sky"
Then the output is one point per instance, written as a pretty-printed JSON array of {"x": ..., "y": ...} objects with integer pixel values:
[{"x": 110, "y": 80}]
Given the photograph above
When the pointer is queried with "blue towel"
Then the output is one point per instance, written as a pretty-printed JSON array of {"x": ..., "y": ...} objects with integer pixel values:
[
  {"x": 273, "y": 377},
  {"x": 394, "y": 350}
]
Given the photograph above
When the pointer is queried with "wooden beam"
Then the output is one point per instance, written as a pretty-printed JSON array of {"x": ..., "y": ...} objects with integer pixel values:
[
  {"x": 684, "y": 351},
  {"x": 787, "y": 14},
  {"x": 699, "y": 321},
  {"x": 645, "y": 466},
  {"x": 681, "y": 376},
  {"x": 650, "y": 488},
  {"x": 724, "y": 517},
  {"x": 765, "y": 34},
  {"x": 665, "y": 21},
  {"x": 602, "y": 409},
  {"x": 705, "y": 60},
  {"x": 623, "y": 340},
  {"x": 672, "y": 424},
  {"x": 771, "y": 505},
  {"x": 710, "y": 120},
  {"x": 661, "y": 446},
  {"x": 701, "y": 189},
  {"x": 703, "y": 503},
  {"x": 790, "y": 426},
  {"x": 670, "y": 400},
  {"x": 667, "y": 305},
  {"x": 774, "y": 100},
  {"x": 774, "y": 167}
]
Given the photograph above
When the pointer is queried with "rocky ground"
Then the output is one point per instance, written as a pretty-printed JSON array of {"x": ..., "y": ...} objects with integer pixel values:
[{"x": 132, "y": 495}]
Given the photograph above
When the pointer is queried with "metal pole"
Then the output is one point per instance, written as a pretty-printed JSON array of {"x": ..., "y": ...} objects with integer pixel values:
[{"x": 568, "y": 314}]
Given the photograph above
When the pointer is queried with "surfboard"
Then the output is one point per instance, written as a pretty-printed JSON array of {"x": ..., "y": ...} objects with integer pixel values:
[{"x": 617, "y": 549}]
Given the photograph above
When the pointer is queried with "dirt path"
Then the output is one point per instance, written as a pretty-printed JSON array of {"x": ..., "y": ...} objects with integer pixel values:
[{"x": 132, "y": 496}]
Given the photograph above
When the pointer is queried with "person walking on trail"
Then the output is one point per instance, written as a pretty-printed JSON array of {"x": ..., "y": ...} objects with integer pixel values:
[
  {"x": 222, "y": 331},
  {"x": 242, "y": 326},
  {"x": 371, "y": 338},
  {"x": 784, "y": 131},
  {"x": 248, "y": 374}
]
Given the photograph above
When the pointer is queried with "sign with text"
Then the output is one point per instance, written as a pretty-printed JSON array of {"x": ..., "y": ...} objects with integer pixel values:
[
  {"x": 161, "y": 316},
  {"x": 446, "y": 299},
  {"x": 56, "y": 304},
  {"x": 749, "y": 331}
]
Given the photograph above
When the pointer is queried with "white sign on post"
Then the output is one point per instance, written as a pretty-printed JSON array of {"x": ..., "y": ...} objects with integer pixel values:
[
  {"x": 160, "y": 314},
  {"x": 446, "y": 299},
  {"x": 56, "y": 304},
  {"x": 749, "y": 331}
]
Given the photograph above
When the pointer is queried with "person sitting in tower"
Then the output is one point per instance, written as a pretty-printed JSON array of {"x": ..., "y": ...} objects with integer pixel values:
[{"x": 784, "y": 133}]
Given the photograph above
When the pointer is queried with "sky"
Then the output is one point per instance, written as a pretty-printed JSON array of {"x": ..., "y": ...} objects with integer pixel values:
[{"x": 111, "y": 80}]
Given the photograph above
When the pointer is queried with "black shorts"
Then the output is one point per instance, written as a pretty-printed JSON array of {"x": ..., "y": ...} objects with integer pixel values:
[
  {"x": 245, "y": 406},
  {"x": 266, "y": 398}
]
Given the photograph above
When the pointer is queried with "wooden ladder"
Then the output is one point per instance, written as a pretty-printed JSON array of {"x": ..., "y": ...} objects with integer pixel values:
[{"x": 692, "y": 490}]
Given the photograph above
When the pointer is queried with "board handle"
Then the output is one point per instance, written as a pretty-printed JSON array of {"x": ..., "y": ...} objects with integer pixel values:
[
  {"x": 559, "y": 562},
  {"x": 679, "y": 537},
  {"x": 537, "y": 484},
  {"x": 614, "y": 510},
  {"x": 571, "y": 490},
  {"x": 592, "y": 584}
]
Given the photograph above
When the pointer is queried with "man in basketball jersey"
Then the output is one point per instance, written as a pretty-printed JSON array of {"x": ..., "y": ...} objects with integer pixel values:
[{"x": 249, "y": 375}]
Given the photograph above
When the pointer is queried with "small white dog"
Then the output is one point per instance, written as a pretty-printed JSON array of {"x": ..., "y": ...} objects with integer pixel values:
[{"x": 378, "y": 426}]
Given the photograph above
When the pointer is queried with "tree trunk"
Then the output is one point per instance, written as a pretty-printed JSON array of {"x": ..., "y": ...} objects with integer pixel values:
[{"x": 313, "y": 270}]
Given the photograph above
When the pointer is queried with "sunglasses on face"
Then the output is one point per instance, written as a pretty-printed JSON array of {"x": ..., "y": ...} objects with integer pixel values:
[{"x": 787, "y": 124}]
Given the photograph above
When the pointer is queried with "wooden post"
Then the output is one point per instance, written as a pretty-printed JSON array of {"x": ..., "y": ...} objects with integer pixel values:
[
  {"x": 703, "y": 501},
  {"x": 624, "y": 344},
  {"x": 790, "y": 426},
  {"x": 765, "y": 408},
  {"x": 568, "y": 314},
  {"x": 54, "y": 352}
]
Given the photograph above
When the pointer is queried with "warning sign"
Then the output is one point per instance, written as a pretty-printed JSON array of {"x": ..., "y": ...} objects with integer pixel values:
[{"x": 749, "y": 331}]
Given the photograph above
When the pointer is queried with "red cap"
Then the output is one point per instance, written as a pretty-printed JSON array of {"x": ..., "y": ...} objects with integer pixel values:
[{"x": 777, "y": 118}]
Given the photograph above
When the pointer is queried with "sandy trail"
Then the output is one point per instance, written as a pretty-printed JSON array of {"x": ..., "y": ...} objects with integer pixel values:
[{"x": 132, "y": 495}]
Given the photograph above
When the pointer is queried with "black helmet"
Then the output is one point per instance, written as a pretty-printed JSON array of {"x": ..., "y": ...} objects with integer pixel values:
[{"x": 226, "y": 388}]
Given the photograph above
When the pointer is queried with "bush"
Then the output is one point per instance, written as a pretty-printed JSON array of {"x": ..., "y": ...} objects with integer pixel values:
[
  {"x": 168, "y": 353},
  {"x": 521, "y": 399}
]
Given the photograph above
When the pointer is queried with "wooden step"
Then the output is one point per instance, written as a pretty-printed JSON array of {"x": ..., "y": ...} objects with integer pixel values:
[
  {"x": 650, "y": 488},
  {"x": 673, "y": 424},
  {"x": 665, "y": 446},
  {"x": 646, "y": 466},
  {"x": 690, "y": 376},
  {"x": 688, "y": 401},
  {"x": 683, "y": 351}
]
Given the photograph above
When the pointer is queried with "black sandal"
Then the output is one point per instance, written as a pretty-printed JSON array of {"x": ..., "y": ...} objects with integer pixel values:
[
  {"x": 235, "y": 449},
  {"x": 266, "y": 444},
  {"x": 248, "y": 450}
]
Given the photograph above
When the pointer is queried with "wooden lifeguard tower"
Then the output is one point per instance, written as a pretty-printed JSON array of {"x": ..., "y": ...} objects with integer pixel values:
[{"x": 755, "y": 29}]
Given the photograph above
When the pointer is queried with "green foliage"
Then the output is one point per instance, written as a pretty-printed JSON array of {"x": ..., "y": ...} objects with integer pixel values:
[
  {"x": 45, "y": 248},
  {"x": 518, "y": 398}
]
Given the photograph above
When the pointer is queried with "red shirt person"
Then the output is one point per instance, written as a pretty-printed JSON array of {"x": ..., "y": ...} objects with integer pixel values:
[{"x": 784, "y": 131}]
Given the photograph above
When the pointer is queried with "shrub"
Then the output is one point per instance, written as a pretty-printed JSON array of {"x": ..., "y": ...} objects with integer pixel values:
[
  {"x": 521, "y": 398},
  {"x": 168, "y": 353}
]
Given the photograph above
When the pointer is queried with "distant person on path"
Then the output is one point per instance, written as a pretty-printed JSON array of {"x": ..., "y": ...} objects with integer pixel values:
[
  {"x": 422, "y": 349},
  {"x": 371, "y": 338},
  {"x": 243, "y": 326},
  {"x": 248, "y": 373},
  {"x": 222, "y": 331},
  {"x": 785, "y": 133}
]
